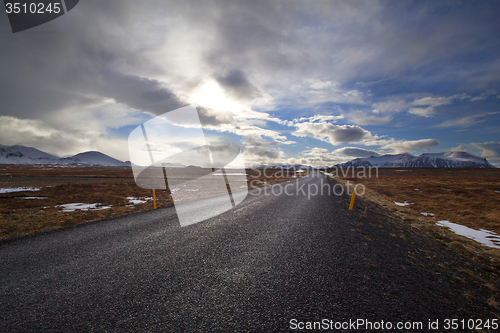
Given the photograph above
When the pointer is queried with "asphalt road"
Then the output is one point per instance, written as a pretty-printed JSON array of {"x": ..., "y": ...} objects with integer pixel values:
[{"x": 272, "y": 261}]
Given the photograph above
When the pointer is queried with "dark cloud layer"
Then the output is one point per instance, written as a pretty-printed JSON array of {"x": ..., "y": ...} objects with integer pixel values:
[
  {"x": 356, "y": 152},
  {"x": 281, "y": 39},
  {"x": 238, "y": 85}
]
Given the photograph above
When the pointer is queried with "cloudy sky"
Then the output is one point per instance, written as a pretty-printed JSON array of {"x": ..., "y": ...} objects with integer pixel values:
[{"x": 311, "y": 82}]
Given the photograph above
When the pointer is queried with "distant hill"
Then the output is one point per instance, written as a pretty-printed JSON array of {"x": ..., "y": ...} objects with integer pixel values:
[
  {"x": 96, "y": 158},
  {"x": 454, "y": 159},
  {"x": 28, "y": 155}
]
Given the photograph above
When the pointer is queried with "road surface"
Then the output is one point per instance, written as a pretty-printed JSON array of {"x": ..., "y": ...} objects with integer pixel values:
[{"x": 273, "y": 263}]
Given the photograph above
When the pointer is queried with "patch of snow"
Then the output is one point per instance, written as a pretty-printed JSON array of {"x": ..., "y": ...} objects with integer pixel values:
[
  {"x": 31, "y": 197},
  {"x": 71, "y": 207},
  {"x": 485, "y": 237},
  {"x": 300, "y": 171},
  {"x": 402, "y": 170},
  {"x": 135, "y": 201},
  {"x": 18, "y": 189},
  {"x": 403, "y": 203},
  {"x": 427, "y": 214}
]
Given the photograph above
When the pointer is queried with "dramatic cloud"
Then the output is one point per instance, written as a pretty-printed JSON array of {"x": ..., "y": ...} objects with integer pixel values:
[
  {"x": 465, "y": 121},
  {"x": 257, "y": 141},
  {"x": 407, "y": 146},
  {"x": 362, "y": 119},
  {"x": 355, "y": 152},
  {"x": 36, "y": 133},
  {"x": 318, "y": 157},
  {"x": 262, "y": 156},
  {"x": 425, "y": 106},
  {"x": 331, "y": 133},
  {"x": 238, "y": 85},
  {"x": 490, "y": 149}
]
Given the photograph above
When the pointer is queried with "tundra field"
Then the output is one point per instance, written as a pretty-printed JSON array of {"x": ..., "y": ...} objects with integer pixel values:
[{"x": 36, "y": 198}]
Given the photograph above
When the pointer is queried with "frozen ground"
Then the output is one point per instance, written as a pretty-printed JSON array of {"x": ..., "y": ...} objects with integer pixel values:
[
  {"x": 135, "y": 201},
  {"x": 486, "y": 237},
  {"x": 18, "y": 189},
  {"x": 71, "y": 207},
  {"x": 403, "y": 203}
]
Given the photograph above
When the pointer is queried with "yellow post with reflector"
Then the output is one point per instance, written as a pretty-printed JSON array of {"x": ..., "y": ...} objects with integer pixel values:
[
  {"x": 154, "y": 199},
  {"x": 352, "y": 199}
]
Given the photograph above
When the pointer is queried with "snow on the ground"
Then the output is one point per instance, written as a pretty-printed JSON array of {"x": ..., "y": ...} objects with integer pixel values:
[
  {"x": 135, "y": 201},
  {"x": 300, "y": 171},
  {"x": 402, "y": 170},
  {"x": 427, "y": 214},
  {"x": 31, "y": 197},
  {"x": 71, "y": 207},
  {"x": 486, "y": 237},
  {"x": 18, "y": 189},
  {"x": 403, "y": 203}
]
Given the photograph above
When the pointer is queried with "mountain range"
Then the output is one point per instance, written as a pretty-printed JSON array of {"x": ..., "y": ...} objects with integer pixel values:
[
  {"x": 28, "y": 155},
  {"x": 453, "y": 159}
]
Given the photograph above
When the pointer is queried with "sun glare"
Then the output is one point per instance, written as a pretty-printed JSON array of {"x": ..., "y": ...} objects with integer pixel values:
[{"x": 211, "y": 95}]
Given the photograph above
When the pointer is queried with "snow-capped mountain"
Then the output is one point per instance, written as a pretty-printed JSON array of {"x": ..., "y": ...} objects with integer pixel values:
[
  {"x": 454, "y": 159},
  {"x": 24, "y": 155},
  {"x": 27, "y": 155}
]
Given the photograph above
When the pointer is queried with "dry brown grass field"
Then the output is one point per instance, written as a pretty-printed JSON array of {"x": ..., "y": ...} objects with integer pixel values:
[
  {"x": 469, "y": 197},
  {"x": 26, "y": 212}
]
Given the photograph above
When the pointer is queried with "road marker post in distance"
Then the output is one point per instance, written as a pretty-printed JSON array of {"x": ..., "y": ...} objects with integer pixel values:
[
  {"x": 154, "y": 199},
  {"x": 352, "y": 198}
]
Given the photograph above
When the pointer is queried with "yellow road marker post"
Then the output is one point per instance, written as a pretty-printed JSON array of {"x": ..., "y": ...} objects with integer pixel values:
[
  {"x": 352, "y": 199},
  {"x": 154, "y": 199}
]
